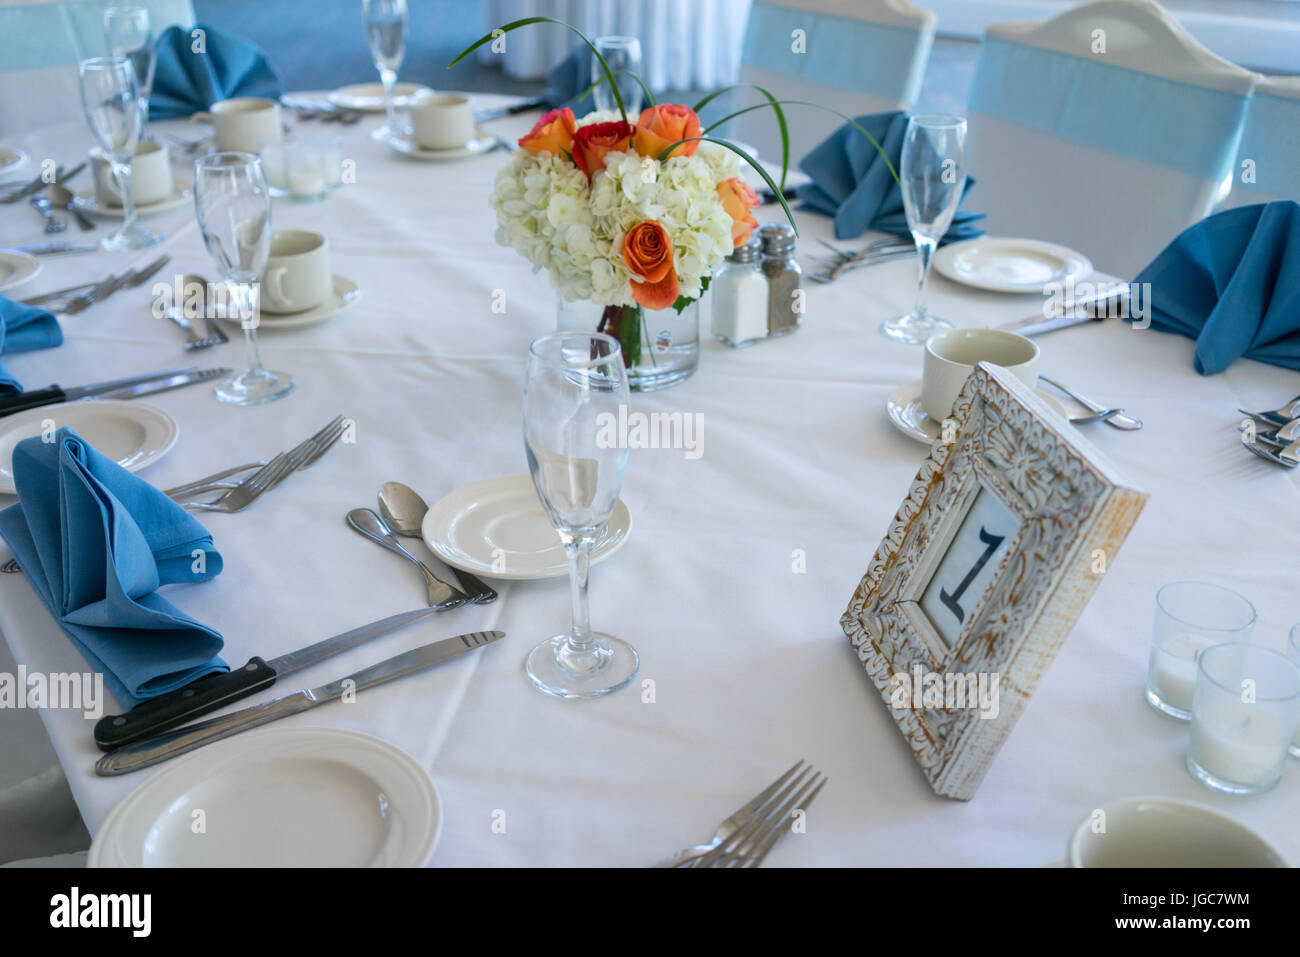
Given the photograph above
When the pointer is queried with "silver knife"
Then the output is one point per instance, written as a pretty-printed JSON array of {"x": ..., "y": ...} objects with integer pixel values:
[
  {"x": 56, "y": 249},
  {"x": 1072, "y": 314},
  {"x": 152, "y": 751},
  {"x": 211, "y": 692},
  {"x": 114, "y": 388},
  {"x": 154, "y": 386}
]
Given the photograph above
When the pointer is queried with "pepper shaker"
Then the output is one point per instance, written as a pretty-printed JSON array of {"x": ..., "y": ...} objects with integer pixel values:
[{"x": 785, "y": 295}]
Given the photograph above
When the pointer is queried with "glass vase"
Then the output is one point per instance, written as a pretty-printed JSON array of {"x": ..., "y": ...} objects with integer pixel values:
[{"x": 661, "y": 347}]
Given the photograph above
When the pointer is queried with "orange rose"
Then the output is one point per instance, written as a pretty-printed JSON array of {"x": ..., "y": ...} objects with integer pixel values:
[
  {"x": 593, "y": 141},
  {"x": 553, "y": 134},
  {"x": 738, "y": 199},
  {"x": 659, "y": 127},
  {"x": 648, "y": 253}
]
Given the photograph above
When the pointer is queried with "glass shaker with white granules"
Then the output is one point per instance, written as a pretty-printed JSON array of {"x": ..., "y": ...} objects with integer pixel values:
[
  {"x": 785, "y": 296},
  {"x": 738, "y": 292}
]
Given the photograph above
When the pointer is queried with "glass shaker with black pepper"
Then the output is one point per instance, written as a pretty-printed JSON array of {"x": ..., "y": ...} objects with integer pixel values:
[{"x": 785, "y": 296}]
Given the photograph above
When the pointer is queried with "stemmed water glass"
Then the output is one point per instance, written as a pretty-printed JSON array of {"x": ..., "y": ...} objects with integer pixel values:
[
  {"x": 234, "y": 210},
  {"x": 113, "y": 109},
  {"x": 386, "y": 31},
  {"x": 126, "y": 31},
  {"x": 575, "y": 386},
  {"x": 623, "y": 56},
  {"x": 933, "y": 175}
]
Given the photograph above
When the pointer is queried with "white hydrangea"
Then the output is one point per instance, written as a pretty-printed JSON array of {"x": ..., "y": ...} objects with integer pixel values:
[{"x": 575, "y": 231}]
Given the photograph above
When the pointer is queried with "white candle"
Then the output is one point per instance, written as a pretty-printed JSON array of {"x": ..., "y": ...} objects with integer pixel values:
[
  {"x": 1243, "y": 745},
  {"x": 1171, "y": 672},
  {"x": 273, "y": 164},
  {"x": 305, "y": 177}
]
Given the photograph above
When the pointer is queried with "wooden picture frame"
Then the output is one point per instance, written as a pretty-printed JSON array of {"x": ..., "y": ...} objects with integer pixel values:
[{"x": 1004, "y": 535}]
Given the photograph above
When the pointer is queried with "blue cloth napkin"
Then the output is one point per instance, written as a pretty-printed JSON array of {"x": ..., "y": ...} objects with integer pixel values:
[
  {"x": 186, "y": 82},
  {"x": 95, "y": 541},
  {"x": 23, "y": 328},
  {"x": 567, "y": 82},
  {"x": 1232, "y": 283},
  {"x": 851, "y": 183}
]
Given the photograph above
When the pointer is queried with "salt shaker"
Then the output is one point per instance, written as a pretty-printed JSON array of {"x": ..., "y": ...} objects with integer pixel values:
[
  {"x": 785, "y": 295},
  {"x": 739, "y": 293}
]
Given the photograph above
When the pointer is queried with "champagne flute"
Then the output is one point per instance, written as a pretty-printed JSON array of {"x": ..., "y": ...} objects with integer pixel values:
[
  {"x": 113, "y": 109},
  {"x": 386, "y": 31},
  {"x": 126, "y": 31},
  {"x": 575, "y": 386},
  {"x": 234, "y": 211},
  {"x": 933, "y": 174},
  {"x": 623, "y": 56}
]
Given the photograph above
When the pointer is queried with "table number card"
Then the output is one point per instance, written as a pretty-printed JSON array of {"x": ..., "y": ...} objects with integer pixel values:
[{"x": 1004, "y": 535}]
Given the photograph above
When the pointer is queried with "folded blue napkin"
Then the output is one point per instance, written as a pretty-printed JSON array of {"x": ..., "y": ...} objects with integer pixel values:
[
  {"x": 95, "y": 541},
  {"x": 851, "y": 183},
  {"x": 23, "y": 328},
  {"x": 1232, "y": 283},
  {"x": 569, "y": 80},
  {"x": 186, "y": 81}
]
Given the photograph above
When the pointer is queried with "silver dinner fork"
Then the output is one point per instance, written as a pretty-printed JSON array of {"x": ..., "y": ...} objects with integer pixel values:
[
  {"x": 1279, "y": 416},
  {"x": 751, "y": 844},
  {"x": 248, "y": 491},
  {"x": 316, "y": 445},
  {"x": 1288, "y": 456}
]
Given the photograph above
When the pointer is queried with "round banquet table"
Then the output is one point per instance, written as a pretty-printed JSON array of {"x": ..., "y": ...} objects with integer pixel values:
[{"x": 744, "y": 668}]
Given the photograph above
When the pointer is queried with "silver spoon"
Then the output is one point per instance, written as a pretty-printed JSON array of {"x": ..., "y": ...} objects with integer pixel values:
[
  {"x": 373, "y": 527},
  {"x": 1118, "y": 420},
  {"x": 62, "y": 197},
  {"x": 403, "y": 510}
]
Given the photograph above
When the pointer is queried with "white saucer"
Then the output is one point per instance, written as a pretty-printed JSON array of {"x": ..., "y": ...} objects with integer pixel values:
[
  {"x": 85, "y": 201},
  {"x": 369, "y": 97},
  {"x": 1010, "y": 265},
  {"x": 16, "y": 268},
  {"x": 11, "y": 159},
  {"x": 131, "y": 434},
  {"x": 346, "y": 292},
  {"x": 405, "y": 144},
  {"x": 284, "y": 797},
  {"x": 502, "y": 517},
  {"x": 905, "y": 412}
]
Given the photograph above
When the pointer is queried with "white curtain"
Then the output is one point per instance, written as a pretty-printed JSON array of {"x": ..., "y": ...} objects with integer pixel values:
[{"x": 685, "y": 44}]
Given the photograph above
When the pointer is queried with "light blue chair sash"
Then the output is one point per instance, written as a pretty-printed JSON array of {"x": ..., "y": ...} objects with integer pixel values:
[
  {"x": 38, "y": 35},
  {"x": 1272, "y": 140},
  {"x": 1113, "y": 108},
  {"x": 840, "y": 52}
]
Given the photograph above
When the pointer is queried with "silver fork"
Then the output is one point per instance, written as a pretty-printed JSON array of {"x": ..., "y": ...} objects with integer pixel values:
[
  {"x": 688, "y": 855},
  {"x": 247, "y": 492},
  {"x": 1280, "y": 437},
  {"x": 214, "y": 482},
  {"x": 1288, "y": 456},
  {"x": 1277, "y": 417},
  {"x": 751, "y": 844}
]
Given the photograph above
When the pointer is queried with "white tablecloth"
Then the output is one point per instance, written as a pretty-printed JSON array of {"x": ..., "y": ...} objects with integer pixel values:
[{"x": 749, "y": 665}]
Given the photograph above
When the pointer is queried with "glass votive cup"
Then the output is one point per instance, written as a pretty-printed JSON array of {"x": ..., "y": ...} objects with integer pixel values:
[
  {"x": 1190, "y": 617},
  {"x": 1293, "y": 652},
  {"x": 1244, "y": 715},
  {"x": 275, "y": 168}
]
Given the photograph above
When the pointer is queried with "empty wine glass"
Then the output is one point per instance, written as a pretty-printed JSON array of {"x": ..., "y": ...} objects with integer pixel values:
[
  {"x": 933, "y": 175},
  {"x": 386, "y": 32},
  {"x": 575, "y": 386},
  {"x": 116, "y": 115},
  {"x": 623, "y": 56},
  {"x": 126, "y": 31},
  {"x": 234, "y": 210}
]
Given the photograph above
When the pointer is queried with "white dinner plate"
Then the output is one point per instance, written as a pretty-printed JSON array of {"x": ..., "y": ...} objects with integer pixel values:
[
  {"x": 346, "y": 292},
  {"x": 405, "y": 144},
  {"x": 131, "y": 434},
  {"x": 496, "y": 528},
  {"x": 11, "y": 159},
  {"x": 16, "y": 268},
  {"x": 285, "y": 797},
  {"x": 369, "y": 97},
  {"x": 1009, "y": 265},
  {"x": 905, "y": 412},
  {"x": 86, "y": 201}
]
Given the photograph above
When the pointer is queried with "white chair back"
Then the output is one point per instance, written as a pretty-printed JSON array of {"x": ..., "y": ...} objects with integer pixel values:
[
  {"x": 854, "y": 56},
  {"x": 1268, "y": 162},
  {"x": 1108, "y": 128},
  {"x": 41, "y": 43}
]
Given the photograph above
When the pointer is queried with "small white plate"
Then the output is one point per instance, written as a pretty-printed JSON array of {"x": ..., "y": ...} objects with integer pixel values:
[
  {"x": 286, "y": 797},
  {"x": 17, "y": 268},
  {"x": 1009, "y": 265},
  {"x": 483, "y": 142},
  {"x": 86, "y": 202},
  {"x": 478, "y": 523},
  {"x": 369, "y": 97},
  {"x": 131, "y": 434},
  {"x": 905, "y": 412},
  {"x": 346, "y": 292},
  {"x": 11, "y": 159}
]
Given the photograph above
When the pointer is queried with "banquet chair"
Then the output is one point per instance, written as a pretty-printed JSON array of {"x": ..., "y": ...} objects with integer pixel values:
[
  {"x": 1108, "y": 128},
  {"x": 1268, "y": 162},
  {"x": 41, "y": 43},
  {"x": 853, "y": 56}
]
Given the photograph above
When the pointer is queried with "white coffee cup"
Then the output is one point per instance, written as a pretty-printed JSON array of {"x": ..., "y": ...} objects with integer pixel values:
[
  {"x": 298, "y": 274},
  {"x": 441, "y": 121},
  {"x": 244, "y": 124},
  {"x": 1159, "y": 832},
  {"x": 950, "y": 358},
  {"x": 151, "y": 175}
]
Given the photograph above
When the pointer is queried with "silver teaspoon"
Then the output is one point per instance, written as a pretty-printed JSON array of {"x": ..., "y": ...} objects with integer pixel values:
[
  {"x": 370, "y": 525},
  {"x": 403, "y": 510}
]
